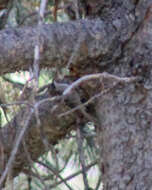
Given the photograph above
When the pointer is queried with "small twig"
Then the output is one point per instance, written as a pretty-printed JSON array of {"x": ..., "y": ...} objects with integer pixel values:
[
  {"x": 16, "y": 103},
  {"x": 117, "y": 80},
  {"x": 26, "y": 91},
  {"x": 33, "y": 174},
  {"x": 31, "y": 163},
  {"x": 54, "y": 171},
  {"x": 98, "y": 183},
  {"x": 82, "y": 157},
  {"x": 39, "y": 44},
  {"x": 19, "y": 138},
  {"x": 74, "y": 175},
  {"x": 98, "y": 76},
  {"x": 14, "y": 83},
  {"x": 37, "y": 51},
  {"x": 54, "y": 98},
  {"x": 67, "y": 160},
  {"x": 5, "y": 115}
]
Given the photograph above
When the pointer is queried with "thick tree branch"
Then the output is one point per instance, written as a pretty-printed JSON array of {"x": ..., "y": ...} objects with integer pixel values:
[
  {"x": 99, "y": 42},
  {"x": 17, "y": 45}
]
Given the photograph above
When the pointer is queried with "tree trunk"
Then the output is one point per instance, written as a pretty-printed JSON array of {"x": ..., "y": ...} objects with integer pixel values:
[
  {"x": 125, "y": 135},
  {"x": 125, "y": 113}
]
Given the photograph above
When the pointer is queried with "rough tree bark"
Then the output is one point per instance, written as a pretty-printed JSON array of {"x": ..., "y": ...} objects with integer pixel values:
[
  {"x": 125, "y": 113},
  {"x": 118, "y": 42},
  {"x": 59, "y": 43}
]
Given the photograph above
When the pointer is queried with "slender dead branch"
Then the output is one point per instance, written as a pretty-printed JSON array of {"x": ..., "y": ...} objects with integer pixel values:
[
  {"x": 82, "y": 157},
  {"x": 39, "y": 43},
  {"x": 54, "y": 171},
  {"x": 98, "y": 183},
  {"x": 98, "y": 76},
  {"x": 19, "y": 138},
  {"x": 74, "y": 175},
  {"x": 117, "y": 80},
  {"x": 31, "y": 163}
]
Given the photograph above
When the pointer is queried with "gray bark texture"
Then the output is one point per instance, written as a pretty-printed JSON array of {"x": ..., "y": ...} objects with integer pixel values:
[
  {"x": 125, "y": 112},
  {"x": 116, "y": 38}
]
